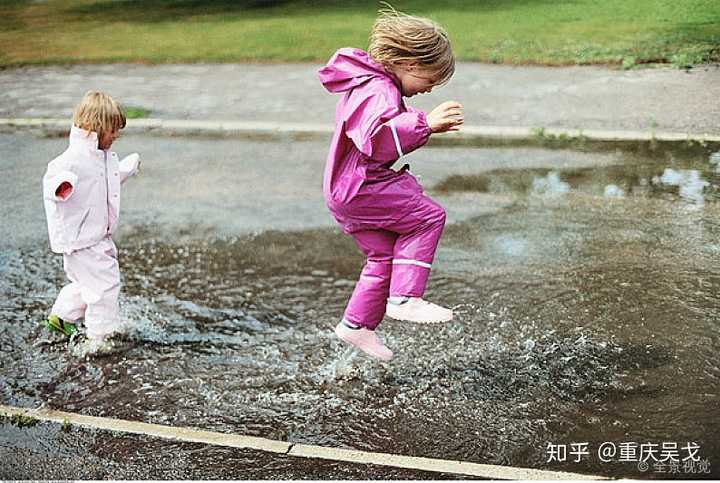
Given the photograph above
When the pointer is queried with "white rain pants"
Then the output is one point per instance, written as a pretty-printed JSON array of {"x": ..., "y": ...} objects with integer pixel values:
[{"x": 93, "y": 293}]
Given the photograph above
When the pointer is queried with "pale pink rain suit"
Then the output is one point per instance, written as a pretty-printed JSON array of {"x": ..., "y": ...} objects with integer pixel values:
[
  {"x": 384, "y": 210},
  {"x": 80, "y": 226}
]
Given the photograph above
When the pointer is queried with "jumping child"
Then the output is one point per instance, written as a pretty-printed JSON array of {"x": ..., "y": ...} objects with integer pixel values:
[
  {"x": 81, "y": 191},
  {"x": 386, "y": 212}
]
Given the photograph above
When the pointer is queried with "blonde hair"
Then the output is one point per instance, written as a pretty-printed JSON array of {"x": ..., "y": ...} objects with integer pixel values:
[
  {"x": 98, "y": 112},
  {"x": 397, "y": 37}
]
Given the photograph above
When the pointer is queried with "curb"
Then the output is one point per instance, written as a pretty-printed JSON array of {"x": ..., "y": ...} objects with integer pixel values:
[
  {"x": 279, "y": 131},
  {"x": 292, "y": 449}
]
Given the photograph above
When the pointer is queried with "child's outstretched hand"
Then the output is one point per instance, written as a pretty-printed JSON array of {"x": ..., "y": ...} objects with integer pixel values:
[
  {"x": 130, "y": 164},
  {"x": 447, "y": 116}
]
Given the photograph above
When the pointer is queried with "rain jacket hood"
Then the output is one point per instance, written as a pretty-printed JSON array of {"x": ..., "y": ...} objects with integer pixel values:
[{"x": 350, "y": 68}]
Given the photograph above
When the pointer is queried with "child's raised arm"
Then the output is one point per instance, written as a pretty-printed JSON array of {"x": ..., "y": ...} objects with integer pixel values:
[{"x": 129, "y": 166}]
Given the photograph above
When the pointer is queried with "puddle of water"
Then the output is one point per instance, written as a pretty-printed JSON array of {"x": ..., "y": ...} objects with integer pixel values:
[
  {"x": 587, "y": 311},
  {"x": 692, "y": 177}
]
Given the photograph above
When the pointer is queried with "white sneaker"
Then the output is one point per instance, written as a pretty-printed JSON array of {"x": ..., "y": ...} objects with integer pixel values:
[{"x": 415, "y": 309}]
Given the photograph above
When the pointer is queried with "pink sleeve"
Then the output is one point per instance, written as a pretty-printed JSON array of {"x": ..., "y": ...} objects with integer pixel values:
[
  {"x": 380, "y": 130},
  {"x": 412, "y": 109}
]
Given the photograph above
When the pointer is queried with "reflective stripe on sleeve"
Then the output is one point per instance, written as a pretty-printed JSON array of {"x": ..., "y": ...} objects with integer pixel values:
[{"x": 396, "y": 138}]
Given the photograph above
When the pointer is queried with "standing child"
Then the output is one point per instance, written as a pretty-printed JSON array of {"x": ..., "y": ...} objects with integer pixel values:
[
  {"x": 81, "y": 190},
  {"x": 384, "y": 210}
]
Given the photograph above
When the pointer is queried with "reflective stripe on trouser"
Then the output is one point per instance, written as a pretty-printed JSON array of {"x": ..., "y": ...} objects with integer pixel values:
[
  {"x": 398, "y": 263},
  {"x": 94, "y": 289}
]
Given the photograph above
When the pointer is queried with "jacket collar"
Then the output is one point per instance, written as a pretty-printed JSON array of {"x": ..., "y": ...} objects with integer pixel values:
[{"x": 84, "y": 139}]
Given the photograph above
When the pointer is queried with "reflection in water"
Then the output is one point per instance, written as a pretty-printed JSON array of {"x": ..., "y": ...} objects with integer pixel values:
[
  {"x": 511, "y": 245},
  {"x": 715, "y": 159},
  {"x": 689, "y": 180},
  {"x": 550, "y": 185},
  {"x": 613, "y": 191}
]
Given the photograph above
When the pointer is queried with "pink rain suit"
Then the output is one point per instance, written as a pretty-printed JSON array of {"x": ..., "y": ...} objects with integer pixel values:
[
  {"x": 384, "y": 210},
  {"x": 81, "y": 220}
]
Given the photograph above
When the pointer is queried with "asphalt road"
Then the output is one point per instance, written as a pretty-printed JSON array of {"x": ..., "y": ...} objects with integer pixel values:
[{"x": 663, "y": 99}]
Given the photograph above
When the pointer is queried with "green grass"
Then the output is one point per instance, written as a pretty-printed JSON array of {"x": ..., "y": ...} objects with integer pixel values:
[
  {"x": 625, "y": 33},
  {"x": 134, "y": 112},
  {"x": 20, "y": 421}
]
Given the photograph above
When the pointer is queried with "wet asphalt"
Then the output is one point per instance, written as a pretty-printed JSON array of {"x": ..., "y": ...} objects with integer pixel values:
[{"x": 47, "y": 451}]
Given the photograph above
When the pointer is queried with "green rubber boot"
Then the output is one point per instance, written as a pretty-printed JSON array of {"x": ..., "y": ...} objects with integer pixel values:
[{"x": 57, "y": 324}]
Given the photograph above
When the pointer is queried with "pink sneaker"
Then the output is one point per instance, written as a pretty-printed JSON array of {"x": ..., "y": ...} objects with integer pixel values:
[
  {"x": 364, "y": 339},
  {"x": 415, "y": 309}
]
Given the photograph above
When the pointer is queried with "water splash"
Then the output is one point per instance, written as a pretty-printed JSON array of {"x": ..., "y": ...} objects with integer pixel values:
[{"x": 341, "y": 367}]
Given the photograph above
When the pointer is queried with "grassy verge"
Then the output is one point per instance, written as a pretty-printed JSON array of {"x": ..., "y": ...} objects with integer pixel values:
[
  {"x": 621, "y": 32},
  {"x": 134, "y": 112}
]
